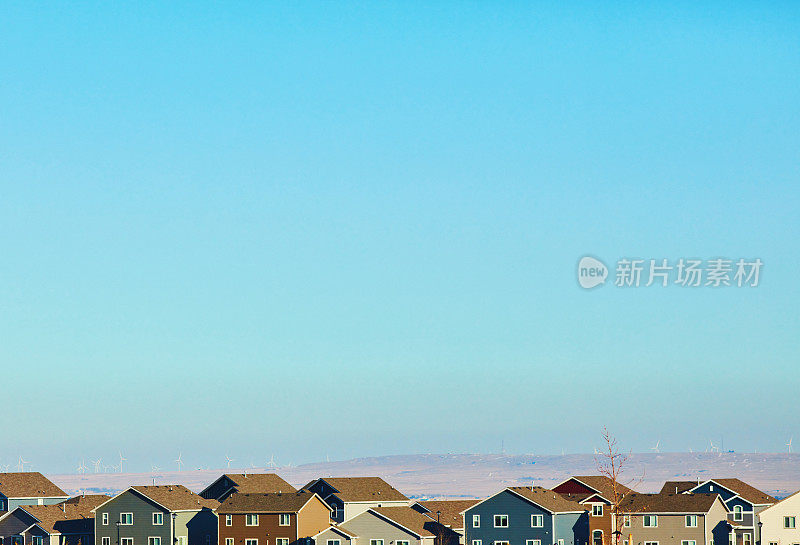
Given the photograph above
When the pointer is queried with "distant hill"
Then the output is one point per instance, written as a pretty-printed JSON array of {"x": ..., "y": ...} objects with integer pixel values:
[{"x": 477, "y": 475}]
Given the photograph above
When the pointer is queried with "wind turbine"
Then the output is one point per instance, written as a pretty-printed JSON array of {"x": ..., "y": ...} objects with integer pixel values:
[
  {"x": 96, "y": 464},
  {"x": 121, "y": 460},
  {"x": 179, "y": 461},
  {"x": 21, "y": 464},
  {"x": 789, "y": 446},
  {"x": 655, "y": 448},
  {"x": 228, "y": 459},
  {"x": 81, "y": 468},
  {"x": 271, "y": 464}
]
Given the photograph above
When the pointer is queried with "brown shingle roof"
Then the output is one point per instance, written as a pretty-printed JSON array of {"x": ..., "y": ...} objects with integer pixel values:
[
  {"x": 265, "y": 503},
  {"x": 552, "y": 501},
  {"x": 30, "y": 484},
  {"x": 409, "y": 518},
  {"x": 668, "y": 503},
  {"x": 73, "y": 516},
  {"x": 451, "y": 511},
  {"x": 175, "y": 497},
  {"x": 363, "y": 489},
  {"x": 750, "y": 493},
  {"x": 602, "y": 484},
  {"x": 263, "y": 483},
  {"x": 677, "y": 487}
]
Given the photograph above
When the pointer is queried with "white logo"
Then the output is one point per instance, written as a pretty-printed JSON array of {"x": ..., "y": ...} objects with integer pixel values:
[{"x": 591, "y": 272}]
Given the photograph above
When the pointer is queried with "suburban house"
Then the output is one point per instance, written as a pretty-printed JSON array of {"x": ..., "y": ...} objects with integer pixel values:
[
  {"x": 28, "y": 488},
  {"x": 779, "y": 522},
  {"x": 742, "y": 501},
  {"x": 156, "y": 515},
  {"x": 334, "y": 535},
  {"x": 596, "y": 494},
  {"x": 674, "y": 519},
  {"x": 272, "y": 519},
  {"x": 351, "y": 496},
  {"x": 449, "y": 513},
  {"x": 70, "y": 522},
  {"x": 398, "y": 526},
  {"x": 251, "y": 483},
  {"x": 526, "y": 516}
]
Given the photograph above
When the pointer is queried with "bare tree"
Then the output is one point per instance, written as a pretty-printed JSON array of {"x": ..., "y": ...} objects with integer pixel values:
[{"x": 611, "y": 463}]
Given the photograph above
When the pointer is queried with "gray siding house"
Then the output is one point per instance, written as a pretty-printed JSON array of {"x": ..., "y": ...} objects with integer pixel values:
[
  {"x": 28, "y": 488},
  {"x": 395, "y": 526},
  {"x": 156, "y": 515},
  {"x": 526, "y": 516}
]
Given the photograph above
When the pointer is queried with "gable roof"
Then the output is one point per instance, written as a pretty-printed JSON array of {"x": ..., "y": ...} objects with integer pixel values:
[
  {"x": 29, "y": 484},
  {"x": 600, "y": 483},
  {"x": 781, "y": 501},
  {"x": 267, "y": 503},
  {"x": 408, "y": 518},
  {"x": 264, "y": 483},
  {"x": 677, "y": 487},
  {"x": 354, "y": 489},
  {"x": 175, "y": 497},
  {"x": 450, "y": 511},
  {"x": 668, "y": 503},
  {"x": 549, "y": 500},
  {"x": 73, "y": 516},
  {"x": 337, "y": 529},
  {"x": 590, "y": 497},
  {"x": 743, "y": 490}
]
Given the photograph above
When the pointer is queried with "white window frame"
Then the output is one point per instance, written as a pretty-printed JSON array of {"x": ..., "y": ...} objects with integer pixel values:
[
  {"x": 537, "y": 521},
  {"x": 793, "y": 520},
  {"x": 688, "y": 542},
  {"x": 738, "y": 513},
  {"x": 228, "y": 520},
  {"x": 500, "y": 516},
  {"x": 645, "y": 518},
  {"x": 690, "y": 521},
  {"x": 476, "y": 521},
  {"x": 334, "y": 542},
  {"x": 626, "y": 521},
  {"x": 229, "y": 541},
  {"x": 502, "y": 542},
  {"x": 533, "y": 542},
  {"x": 158, "y": 516},
  {"x": 151, "y": 540},
  {"x": 477, "y": 542},
  {"x": 281, "y": 518},
  {"x": 560, "y": 542},
  {"x": 650, "y": 543},
  {"x": 126, "y": 541},
  {"x": 247, "y": 519},
  {"x": 401, "y": 542},
  {"x": 375, "y": 542},
  {"x": 37, "y": 540},
  {"x": 104, "y": 518},
  {"x": 596, "y": 507},
  {"x": 251, "y": 541},
  {"x": 121, "y": 523},
  {"x": 747, "y": 538},
  {"x": 105, "y": 541},
  {"x": 281, "y": 541}
]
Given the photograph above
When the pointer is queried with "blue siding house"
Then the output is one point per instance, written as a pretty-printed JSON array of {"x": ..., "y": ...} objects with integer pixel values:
[{"x": 526, "y": 516}]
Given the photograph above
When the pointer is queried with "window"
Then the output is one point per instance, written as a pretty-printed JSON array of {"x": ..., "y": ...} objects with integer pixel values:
[
  {"x": 251, "y": 520},
  {"x": 737, "y": 512},
  {"x": 105, "y": 520},
  {"x": 688, "y": 542},
  {"x": 597, "y": 510},
  {"x": 283, "y": 519},
  {"x": 747, "y": 538},
  {"x": 38, "y": 540},
  {"x": 537, "y": 521},
  {"x": 651, "y": 543},
  {"x": 125, "y": 519},
  {"x": 250, "y": 541},
  {"x": 650, "y": 521},
  {"x": 560, "y": 542},
  {"x": 533, "y": 542},
  {"x": 2, "y": 505},
  {"x": 401, "y": 542},
  {"x": 476, "y": 521},
  {"x": 501, "y": 543},
  {"x": 228, "y": 541},
  {"x": 126, "y": 541},
  {"x": 153, "y": 541},
  {"x": 476, "y": 542},
  {"x": 105, "y": 541},
  {"x": 158, "y": 519},
  {"x": 773, "y": 543},
  {"x": 789, "y": 522},
  {"x": 597, "y": 537},
  {"x": 500, "y": 521},
  {"x": 626, "y": 521},
  {"x": 731, "y": 539},
  {"x": 281, "y": 541},
  {"x": 691, "y": 521},
  {"x": 375, "y": 542},
  {"x": 208, "y": 539},
  {"x": 334, "y": 542},
  {"x": 228, "y": 520}
]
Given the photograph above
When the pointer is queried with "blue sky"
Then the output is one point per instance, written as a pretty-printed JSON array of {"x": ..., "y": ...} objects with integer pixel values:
[{"x": 352, "y": 228}]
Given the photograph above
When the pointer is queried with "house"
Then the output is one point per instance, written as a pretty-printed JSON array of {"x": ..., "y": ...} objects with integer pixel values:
[
  {"x": 351, "y": 496},
  {"x": 398, "y": 526},
  {"x": 742, "y": 501},
  {"x": 780, "y": 522},
  {"x": 449, "y": 513},
  {"x": 28, "y": 488},
  {"x": 596, "y": 494},
  {"x": 251, "y": 483},
  {"x": 70, "y": 522},
  {"x": 334, "y": 535},
  {"x": 156, "y": 515},
  {"x": 526, "y": 516},
  {"x": 674, "y": 519},
  {"x": 271, "y": 519}
]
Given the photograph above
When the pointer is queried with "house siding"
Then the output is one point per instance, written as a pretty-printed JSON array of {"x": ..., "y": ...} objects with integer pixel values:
[
  {"x": 368, "y": 526},
  {"x": 266, "y": 532},
  {"x": 772, "y": 518},
  {"x": 519, "y": 529},
  {"x": 142, "y": 527},
  {"x": 323, "y": 537}
]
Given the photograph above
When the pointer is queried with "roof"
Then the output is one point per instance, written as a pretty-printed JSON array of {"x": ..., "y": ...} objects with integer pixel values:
[
  {"x": 274, "y": 502},
  {"x": 602, "y": 484},
  {"x": 668, "y": 503},
  {"x": 450, "y": 511},
  {"x": 783, "y": 500},
  {"x": 30, "y": 484},
  {"x": 176, "y": 497},
  {"x": 677, "y": 487},
  {"x": 73, "y": 516},
  {"x": 552, "y": 501},
  {"x": 335, "y": 528},
  {"x": 263, "y": 483},
  {"x": 362, "y": 489},
  {"x": 580, "y": 498},
  {"x": 744, "y": 490},
  {"x": 408, "y": 518}
]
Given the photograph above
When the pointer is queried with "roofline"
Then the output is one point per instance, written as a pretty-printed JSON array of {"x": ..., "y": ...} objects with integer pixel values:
[
  {"x": 335, "y": 529},
  {"x": 278, "y": 510},
  {"x": 508, "y": 488},
  {"x": 642, "y": 513},
  {"x": 580, "y": 481},
  {"x": 215, "y": 482},
  {"x": 384, "y": 517},
  {"x": 592, "y": 496},
  {"x": 132, "y": 489},
  {"x": 735, "y": 493},
  {"x": 66, "y": 496}
]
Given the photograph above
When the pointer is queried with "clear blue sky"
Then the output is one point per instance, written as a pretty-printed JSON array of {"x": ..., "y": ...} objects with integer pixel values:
[{"x": 309, "y": 228}]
